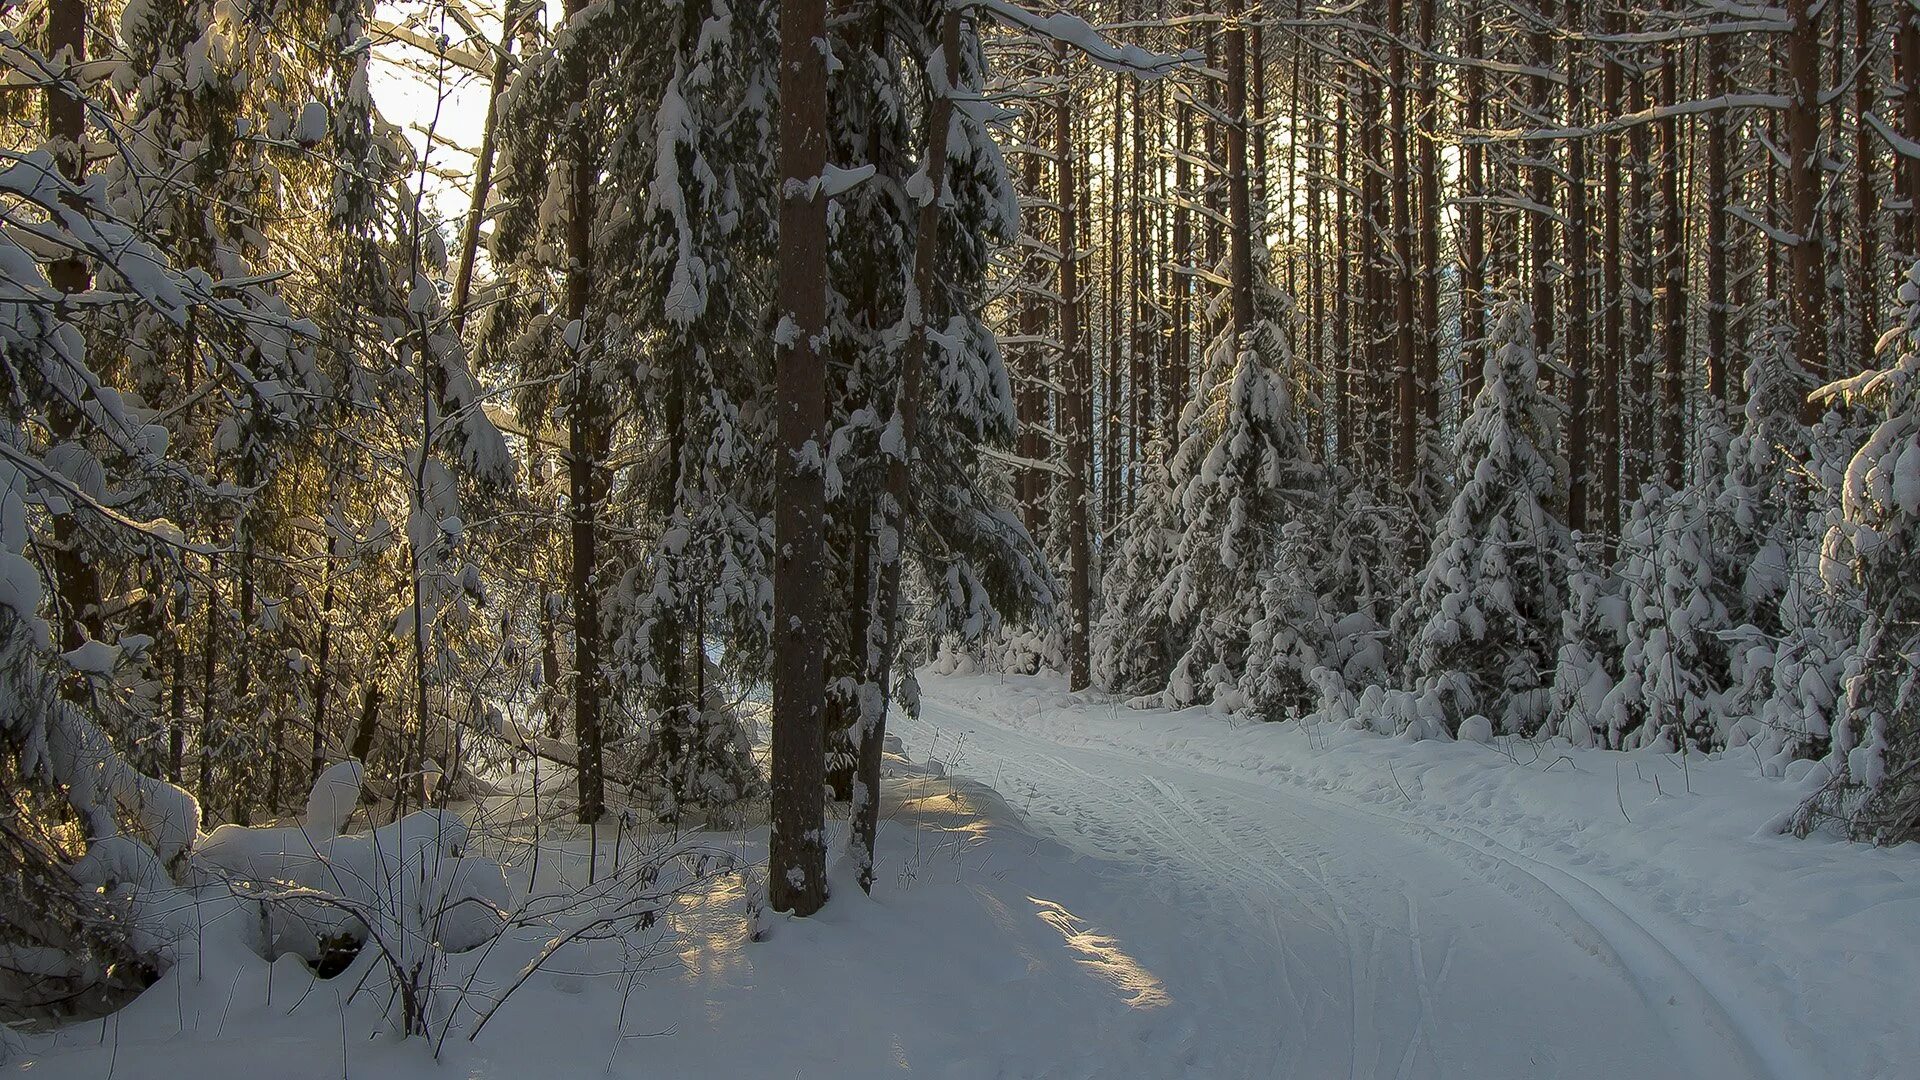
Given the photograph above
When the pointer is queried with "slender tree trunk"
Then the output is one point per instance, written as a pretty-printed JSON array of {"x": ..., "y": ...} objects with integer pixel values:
[
  {"x": 1144, "y": 367},
  {"x": 1613, "y": 493},
  {"x": 1473, "y": 229},
  {"x": 511, "y": 14},
  {"x": 1239, "y": 203},
  {"x": 1257, "y": 133},
  {"x": 1907, "y": 55},
  {"x": 369, "y": 724},
  {"x": 1673, "y": 255},
  {"x": 1866, "y": 200},
  {"x": 66, "y": 118},
  {"x": 1032, "y": 394},
  {"x": 1806, "y": 300},
  {"x": 322, "y": 668},
  {"x": 1428, "y": 169},
  {"x": 243, "y": 655},
  {"x": 1639, "y": 331},
  {"x": 1181, "y": 277},
  {"x": 1540, "y": 230},
  {"x": 586, "y": 484},
  {"x": 1719, "y": 197},
  {"x": 896, "y": 504},
  {"x": 209, "y": 653},
  {"x": 177, "y": 690},
  {"x": 549, "y": 665},
  {"x": 1213, "y": 191},
  {"x": 1314, "y": 360},
  {"x": 1078, "y": 383},
  {"x": 76, "y": 575},
  {"x": 797, "y": 860},
  {"x": 1343, "y": 352},
  {"x": 1376, "y": 314},
  {"x": 1579, "y": 388},
  {"x": 1405, "y": 366},
  {"x": 1111, "y": 468}
]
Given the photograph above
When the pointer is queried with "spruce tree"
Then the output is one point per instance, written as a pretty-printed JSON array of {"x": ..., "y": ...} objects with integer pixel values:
[
  {"x": 1485, "y": 620},
  {"x": 1240, "y": 473}
]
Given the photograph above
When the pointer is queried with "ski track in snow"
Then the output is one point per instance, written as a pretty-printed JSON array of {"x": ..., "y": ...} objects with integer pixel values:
[{"x": 1327, "y": 939}]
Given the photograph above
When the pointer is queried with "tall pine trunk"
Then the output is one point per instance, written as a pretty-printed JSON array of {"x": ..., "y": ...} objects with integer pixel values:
[
  {"x": 1078, "y": 383},
  {"x": 76, "y": 575},
  {"x": 586, "y": 484},
  {"x": 1806, "y": 299},
  {"x": 796, "y": 876},
  {"x": 1673, "y": 287},
  {"x": 1239, "y": 200},
  {"x": 1579, "y": 380},
  {"x": 1405, "y": 367}
]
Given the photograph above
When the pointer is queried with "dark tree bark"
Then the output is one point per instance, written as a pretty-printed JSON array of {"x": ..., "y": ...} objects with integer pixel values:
[
  {"x": 1866, "y": 198},
  {"x": 1473, "y": 216},
  {"x": 1405, "y": 366},
  {"x": 1181, "y": 277},
  {"x": 1719, "y": 198},
  {"x": 76, "y": 574},
  {"x": 177, "y": 690},
  {"x": 369, "y": 724},
  {"x": 1579, "y": 381},
  {"x": 1032, "y": 395},
  {"x": 796, "y": 876},
  {"x": 1144, "y": 367},
  {"x": 1806, "y": 299},
  {"x": 1644, "y": 410},
  {"x": 1540, "y": 229},
  {"x": 1673, "y": 256},
  {"x": 1376, "y": 408},
  {"x": 1343, "y": 353},
  {"x": 323, "y": 668},
  {"x": 1078, "y": 383},
  {"x": 1613, "y": 493},
  {"x": 1428, "y": 168},
  {"x": 896, "y": 506},
  {"x": 66, "y": 119},
  {"x": 1907, "y": 57},
  {"x": 586, "y": 479},
  {"x": 1239, "y": 201},
  {"x": 1110, "y": 429}
]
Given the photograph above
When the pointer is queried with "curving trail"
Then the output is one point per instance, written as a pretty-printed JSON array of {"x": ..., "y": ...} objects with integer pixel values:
[{"x": 1319, "y": 939}]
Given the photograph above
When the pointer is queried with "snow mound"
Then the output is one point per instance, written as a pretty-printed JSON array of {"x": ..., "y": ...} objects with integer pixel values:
[{"x": 334, "y": 795}]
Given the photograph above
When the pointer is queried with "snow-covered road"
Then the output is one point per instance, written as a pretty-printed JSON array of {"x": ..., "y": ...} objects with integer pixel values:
[{"x": 1315, "y": 938}]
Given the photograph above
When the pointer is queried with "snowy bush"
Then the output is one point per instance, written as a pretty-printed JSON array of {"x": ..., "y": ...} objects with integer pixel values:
[
  {"x": 410, "y": 890},
  {"x": 1291, "y": 633},
  {"x": 1583, "y": 676}
]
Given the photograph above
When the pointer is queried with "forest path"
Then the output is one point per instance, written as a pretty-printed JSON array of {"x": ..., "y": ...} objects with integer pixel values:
[{"x": 1321, "y": 939}]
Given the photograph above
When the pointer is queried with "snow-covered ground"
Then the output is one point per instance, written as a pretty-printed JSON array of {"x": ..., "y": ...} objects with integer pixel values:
[
  {"x": 1362, "y": 906},
  {"x": 985, "y": 952},
  {"x": 1070, "y": 889}
]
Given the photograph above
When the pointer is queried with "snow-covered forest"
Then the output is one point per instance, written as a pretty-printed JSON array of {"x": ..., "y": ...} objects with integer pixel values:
[{"x": 1044, "y": 522}]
